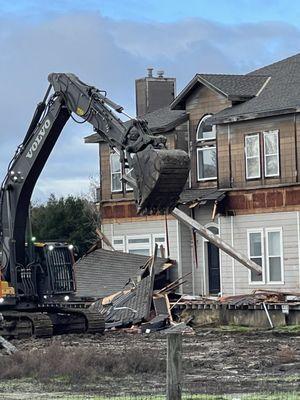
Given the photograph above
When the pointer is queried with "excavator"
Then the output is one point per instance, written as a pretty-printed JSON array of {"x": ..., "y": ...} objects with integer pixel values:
[{"x": 37, "y": 281}]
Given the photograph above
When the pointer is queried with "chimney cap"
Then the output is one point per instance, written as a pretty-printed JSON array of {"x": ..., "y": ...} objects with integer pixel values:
[
  {"x": 160, "y": 73},
  {"x": 150, "y": 72}
]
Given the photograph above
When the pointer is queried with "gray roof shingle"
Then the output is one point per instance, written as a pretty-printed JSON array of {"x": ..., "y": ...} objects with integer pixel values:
[
  {"x": 208, "y": 194},
  {"x": 280, "y": 94},
  {"x": 236, "y": 86},
  {"x": 104, "y": 272}
]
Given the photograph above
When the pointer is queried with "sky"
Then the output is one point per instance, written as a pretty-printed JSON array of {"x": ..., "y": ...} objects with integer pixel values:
[{"x": 110, "y": 43}]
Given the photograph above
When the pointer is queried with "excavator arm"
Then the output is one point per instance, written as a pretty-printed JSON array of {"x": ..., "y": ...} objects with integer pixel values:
[{"x": 158, "y": 175}]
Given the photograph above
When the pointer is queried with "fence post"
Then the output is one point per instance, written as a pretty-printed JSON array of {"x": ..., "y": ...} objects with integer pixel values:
[{"x": 174, "y": 366}]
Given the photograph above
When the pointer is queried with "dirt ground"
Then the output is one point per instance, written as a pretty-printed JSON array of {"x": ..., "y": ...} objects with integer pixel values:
[{"x": 215, "y": 362}]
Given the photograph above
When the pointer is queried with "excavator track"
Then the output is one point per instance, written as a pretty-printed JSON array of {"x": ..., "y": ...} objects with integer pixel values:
[{"x": 18, "y": 324}]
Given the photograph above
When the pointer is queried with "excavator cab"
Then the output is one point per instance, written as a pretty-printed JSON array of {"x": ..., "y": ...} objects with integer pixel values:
[{"x": 55, "y": 275}]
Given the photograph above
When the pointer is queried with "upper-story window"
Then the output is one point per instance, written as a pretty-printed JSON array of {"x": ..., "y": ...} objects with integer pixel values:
[
  {"x": 252, "y": 153},
  {"x": 206, "y": 150},
  {"x": 270, "y": 149},
  {"x": 116, "y": 173},
  {"x": 206, "y": 131}
]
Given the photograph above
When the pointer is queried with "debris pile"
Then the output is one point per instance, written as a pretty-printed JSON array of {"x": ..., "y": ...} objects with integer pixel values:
[{"x": 142, "y": 307}]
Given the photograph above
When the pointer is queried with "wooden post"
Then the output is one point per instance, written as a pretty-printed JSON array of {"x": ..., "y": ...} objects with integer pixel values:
[
  {"x": 174, "y": 366},
  {"x": 216, "y": 240}
]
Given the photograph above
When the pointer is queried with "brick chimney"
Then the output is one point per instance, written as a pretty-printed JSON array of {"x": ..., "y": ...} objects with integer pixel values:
[{"x": 153, "y": 92}]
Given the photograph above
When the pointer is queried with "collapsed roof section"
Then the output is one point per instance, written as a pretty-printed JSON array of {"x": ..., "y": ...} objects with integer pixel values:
[{"x": 103, "y": 272}]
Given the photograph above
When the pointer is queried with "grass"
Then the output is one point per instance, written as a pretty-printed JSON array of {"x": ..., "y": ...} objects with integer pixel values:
[{"x": 78, "y": 366}]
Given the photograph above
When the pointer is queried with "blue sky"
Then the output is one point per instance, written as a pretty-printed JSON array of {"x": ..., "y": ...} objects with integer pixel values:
[{"x": 109, "y": 44}]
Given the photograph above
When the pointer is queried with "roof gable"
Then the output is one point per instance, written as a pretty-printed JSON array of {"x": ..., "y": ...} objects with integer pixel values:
[
  {"x": 279, "y": 95},
  {"x": 233, "y": 87}
]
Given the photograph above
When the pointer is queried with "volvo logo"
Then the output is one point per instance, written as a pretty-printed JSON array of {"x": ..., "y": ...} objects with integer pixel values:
[{"x": 38, "y": 138}]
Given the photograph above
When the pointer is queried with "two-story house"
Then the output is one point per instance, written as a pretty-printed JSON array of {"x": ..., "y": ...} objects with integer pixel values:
[{"x": 243, "y": 136}]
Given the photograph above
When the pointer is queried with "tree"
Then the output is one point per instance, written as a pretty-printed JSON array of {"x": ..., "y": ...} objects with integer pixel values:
[{"x": 71, "y": 219}]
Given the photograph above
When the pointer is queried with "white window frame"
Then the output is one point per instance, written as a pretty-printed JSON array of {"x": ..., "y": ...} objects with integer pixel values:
[
  {"x": 261, "y": 231},
  {"x": 155, "y": 237},
  {"x": 137, "y": 246},
  {"x": 265, "y": 133},
  {"x": 270, "y": 230},
  {"x": 202, "y": 120},
  {"x": 119, "y": 247},
  {"x": 114, "y": 173},
  {"x": 247, "y": 158},
  {"x": 128, "y": 188},
  {"x": 205, "y": 149}
]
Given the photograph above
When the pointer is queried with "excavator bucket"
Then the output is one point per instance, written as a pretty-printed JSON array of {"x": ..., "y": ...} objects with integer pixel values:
[{"x": 160, "y": 176}]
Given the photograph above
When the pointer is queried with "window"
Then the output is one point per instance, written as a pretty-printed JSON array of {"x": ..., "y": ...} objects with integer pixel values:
[
  {"x": 206, "y": 151},
  {"x": 256, "y": 253},
  {"x": 205, "y": 131},
  {"x": 139, "y": 245},
  {"x": 274, "y": 255},
  {"x": 252, "y": 153},
  {"x": 206, "y": 163},
  {"x": 160, "y": 240},
  {"x": 118, "y": 243},
  {"x": 127, "y": 186},
  {"x": 271, "y": 153},
  {"x": 272, "y": 259},
  {"x": 116, "y": 172}
]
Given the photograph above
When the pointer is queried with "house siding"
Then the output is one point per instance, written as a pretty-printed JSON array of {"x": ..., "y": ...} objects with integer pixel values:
[
  {"x": 235, "y": 277},
  {"x": 231, "y": 153},
  {"x": 202, "y": 101}
]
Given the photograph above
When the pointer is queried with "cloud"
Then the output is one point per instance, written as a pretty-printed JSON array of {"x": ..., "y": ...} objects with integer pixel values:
[{"x": 111, "y": 55}]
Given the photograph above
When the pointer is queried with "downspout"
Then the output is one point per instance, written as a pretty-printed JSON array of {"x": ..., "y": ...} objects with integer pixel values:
[
  {"x": 296, "y": 150},
  {"x": 229, "y": 155},
  {"x": 232, "y": 260},
  {"x": 195, "y": 254}
]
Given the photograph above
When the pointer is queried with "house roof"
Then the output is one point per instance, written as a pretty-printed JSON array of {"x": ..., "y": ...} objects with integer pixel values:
[
  {"x": 159, "y": 121},
  {"x": 280, "y": 94},
  {"x": 201, "y": 195},
  {"x": 234, "y": 87},
  {"x": 103, "y": 272}
]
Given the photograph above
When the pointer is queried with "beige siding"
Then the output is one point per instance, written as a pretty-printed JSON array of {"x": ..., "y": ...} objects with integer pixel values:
[{"x": 235, "y": 277}]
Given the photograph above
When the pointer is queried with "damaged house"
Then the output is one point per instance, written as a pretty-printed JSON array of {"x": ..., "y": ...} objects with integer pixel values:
[{"x": 243, "y": 135}]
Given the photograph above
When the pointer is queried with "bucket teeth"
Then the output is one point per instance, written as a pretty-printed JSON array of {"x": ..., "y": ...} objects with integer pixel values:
[{"x": 161, "y": 176}]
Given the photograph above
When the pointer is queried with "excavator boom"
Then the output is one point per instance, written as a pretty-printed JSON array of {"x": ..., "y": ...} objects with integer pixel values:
[{"x": 158, "y": 174}]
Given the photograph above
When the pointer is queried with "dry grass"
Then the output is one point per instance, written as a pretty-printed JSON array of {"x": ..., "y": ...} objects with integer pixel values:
[
  {"x": 77, "y": 365},
  {"x": 286, "y": 354}
]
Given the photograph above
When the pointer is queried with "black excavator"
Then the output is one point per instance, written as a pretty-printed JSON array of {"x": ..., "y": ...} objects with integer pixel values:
[{"x": 37, "y": 282}]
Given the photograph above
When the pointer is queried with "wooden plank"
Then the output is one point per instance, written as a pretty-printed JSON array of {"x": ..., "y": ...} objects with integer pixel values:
[
  {"x": 216, "y": 240},
  {"x": 10, "y": 348},
  {"x": 174, "y": 366}
]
